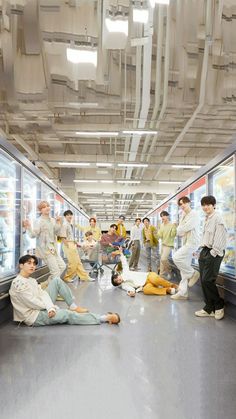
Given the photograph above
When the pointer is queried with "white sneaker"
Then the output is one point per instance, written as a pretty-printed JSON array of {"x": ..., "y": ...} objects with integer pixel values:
[
  {"x": 179, "y": 297},
  {"x": 139, "y": 289},
  {"x": 90, "y": 279},
  {"x": 194, "y": 278},
  {"x": 219, "y": 314},
  {"x": 172, "y": 291},
  {"x": 203, "y": 313}
]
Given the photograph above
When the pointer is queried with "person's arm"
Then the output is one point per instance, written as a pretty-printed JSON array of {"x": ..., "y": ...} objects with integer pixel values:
[
  {"x": 219, "y": 242},
  {"x": 173, "y": 231},
  {"x": 57, "y": 226},
  {"x": 81, "y": 228},
  {"x": 26, "y": 295},
  {"x": 32, "y": 231},
  {"x": 188, "y": 226},
  {"x": 125, "y": 266},
  {"x": 160, "y": 233},
  {"x": 129, "y": 289}
]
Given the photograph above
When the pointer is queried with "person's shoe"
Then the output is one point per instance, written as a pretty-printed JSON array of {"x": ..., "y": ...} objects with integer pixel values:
[
  {"x": 203, "y": 313},
  {"x": 113, "y": 318},
  {"x": 175, "y": 286},
  {"x": 80, "y": 310},
  {"x": 172, "y": 291},
  {"x": 139, "y": 289},
  {"x": 131, "y": 269},
  {"x": 194, "y": 278},
  {"x": 60, "y": 298},
  {"x": 179, "y": 297},
  {"x": 91, "y": 279},
  {"x": 219, "y": 314}
]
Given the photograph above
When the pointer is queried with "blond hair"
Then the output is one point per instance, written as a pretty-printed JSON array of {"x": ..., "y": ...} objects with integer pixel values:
[{"x": 43, "y": 204}]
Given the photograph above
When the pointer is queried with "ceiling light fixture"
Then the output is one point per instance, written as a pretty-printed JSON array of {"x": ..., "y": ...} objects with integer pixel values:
[
  {"x": 154, "y": 2},
  {"x": 107, "y": 181},
  {"x": 85, "y": 181},
  {"x": 61, "y": 163},
  {"x": 140, "y": 132},
  {"x": 140, "y": 15},
  {"x": 128, "y": 181},
  {"x": 81, "y": 56},
  {"x": 117, "y": 25},
  {"x": 97, "y": 133},
  {"x": 132, "y": 165},
  {"x": 186, "y": 166}
]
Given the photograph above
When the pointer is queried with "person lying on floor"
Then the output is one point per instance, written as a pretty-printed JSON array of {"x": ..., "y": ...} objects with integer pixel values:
[
  {"x": 36, "y": 307},
  {"x": 148, "y": 282}
]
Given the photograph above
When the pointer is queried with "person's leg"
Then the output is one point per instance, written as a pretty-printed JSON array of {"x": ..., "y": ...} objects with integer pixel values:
[
  {"x": 183, "y": 259},
  {"x": 71, "y": 262},
  {"x": 134, "y": 249},
  {"x": 54, "y": 263},
  {"x": 164, "y": 264},
  {"x": 57, "y": 286},
  {"x": 156, "y": 285},
  {"x": 137, "y": 255},
  {"x": 149, "y": 256},
  {"x": 66, "y": 316},
  {"x": 210, "y": 267}
]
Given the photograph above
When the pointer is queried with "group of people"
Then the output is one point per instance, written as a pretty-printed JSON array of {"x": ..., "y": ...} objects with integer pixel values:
[{"x": 36, "y": 306}]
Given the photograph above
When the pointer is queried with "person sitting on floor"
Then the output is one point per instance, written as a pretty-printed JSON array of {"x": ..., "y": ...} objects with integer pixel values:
[
  {"x": 36, "y": 307},
  {"x": 89, "y": 245},
  {"x": 148, "y": 282}
]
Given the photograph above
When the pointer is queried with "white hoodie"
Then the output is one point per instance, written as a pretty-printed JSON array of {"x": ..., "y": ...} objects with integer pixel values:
[{"x": 28, "y": 299}]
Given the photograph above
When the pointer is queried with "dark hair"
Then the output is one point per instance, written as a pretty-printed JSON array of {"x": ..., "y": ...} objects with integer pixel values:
[
  {"x": 164, "y": 213},
  {"x": 68, "y": 212},
  {"x": 92, "y": 219},
  {"x": 208, "y": 200},
  {"x": 88, "y": 233},
  {"x": 24, "y": 259},
  {"x": 136, "y": 219},
  {"x": 114, "y": 276},
  {"x": 184, "y": 199},
  {"x": 114, "y": 225},
  {"x": 146, "y": 218},
  {"x": 122, "y": 217}
]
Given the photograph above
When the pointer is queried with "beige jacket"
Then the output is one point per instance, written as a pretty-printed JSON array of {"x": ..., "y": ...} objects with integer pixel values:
[{"x": 28, "y": 299}]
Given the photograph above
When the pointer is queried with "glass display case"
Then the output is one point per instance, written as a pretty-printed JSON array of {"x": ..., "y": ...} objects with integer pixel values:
[
  {"x": 222, "y": 186},
  {"x": 10, "y": 200},
  {"x": 197, "y": 191}
]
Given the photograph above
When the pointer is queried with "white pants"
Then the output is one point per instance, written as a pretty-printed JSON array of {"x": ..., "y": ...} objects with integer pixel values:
[
  {"x": 183, "y": 259},
  {"x": 56, "y": 265}
]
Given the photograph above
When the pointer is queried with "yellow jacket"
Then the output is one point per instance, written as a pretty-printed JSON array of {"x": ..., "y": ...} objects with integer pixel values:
[
  {"x": 121, "y": 230},
  {"x": 153, "y": 236}
]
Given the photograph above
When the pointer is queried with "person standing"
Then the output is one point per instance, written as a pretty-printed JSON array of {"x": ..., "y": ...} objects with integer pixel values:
[
  {"x": 91, "y": 227},
  {"x": 136, "y": 238},
  {"x": 166, "y": 233},
  {"x": 121, "y": 230},
  {"x": 213, "y": 249},
  {"x": 150, "y": 240},
  {"x": 188, "y": 230},
  {"x": 46, "y": 229},
  {"x": 75, "y": 267}
]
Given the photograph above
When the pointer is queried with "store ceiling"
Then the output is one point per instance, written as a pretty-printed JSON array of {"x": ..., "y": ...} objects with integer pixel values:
[{"x": 174, "y": 75}]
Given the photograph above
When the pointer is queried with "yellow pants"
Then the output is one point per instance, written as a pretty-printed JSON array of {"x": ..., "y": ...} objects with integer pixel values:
[
  {"x": 153, "y": 283},
  {"x": 75, "y": 266}
]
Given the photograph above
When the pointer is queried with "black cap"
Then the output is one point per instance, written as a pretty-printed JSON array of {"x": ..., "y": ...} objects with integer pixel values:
[{"x": 122, "y": 217}]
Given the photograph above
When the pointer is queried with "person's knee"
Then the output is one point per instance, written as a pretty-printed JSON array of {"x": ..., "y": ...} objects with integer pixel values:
[
  {"x": 146, "y": 290},
  {"x": 57, "y": 281}
]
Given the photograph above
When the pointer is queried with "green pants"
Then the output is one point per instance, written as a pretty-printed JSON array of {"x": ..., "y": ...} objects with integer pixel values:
[{"x": 55, "y": 287}]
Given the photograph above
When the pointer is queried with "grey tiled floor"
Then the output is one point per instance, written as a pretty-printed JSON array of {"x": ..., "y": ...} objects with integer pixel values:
[{"x": 161, "y": 362}]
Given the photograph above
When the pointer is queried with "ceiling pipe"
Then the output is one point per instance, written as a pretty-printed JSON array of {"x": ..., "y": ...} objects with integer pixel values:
[{"x": 202, "y": 85}]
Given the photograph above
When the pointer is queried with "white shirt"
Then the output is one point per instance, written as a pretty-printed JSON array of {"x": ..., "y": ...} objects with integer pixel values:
[
  {"x": 136, "y": 233},
  {"x": 131, "y": 280},
  {"x": 188, "y": 229},
  {"x": 28, "y": 299},
  {"x": 214, "y": 234}
]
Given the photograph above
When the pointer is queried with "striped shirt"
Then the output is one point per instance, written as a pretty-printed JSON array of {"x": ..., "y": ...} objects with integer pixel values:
[{"x": 214, "y": 234}]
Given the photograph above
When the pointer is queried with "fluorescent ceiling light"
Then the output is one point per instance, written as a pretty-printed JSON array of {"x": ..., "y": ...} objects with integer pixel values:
[
  {"x": 140, "y": 15},
  {"x": 103, "y": 164},
  {"x": 97, "y": 133},
  {"x": 61, "y": 163},
  {"x": 117, "y": 25},
  {"x": 132, "y": 165},
  {"x": 170, "y": 182},
  {"x": 107, "y": 181},
  {"x": 140, "y": 132},
  {"x": 128, "y": 181},
  {"x": 154, "y": 2},
  {"x": 81, "y": 56},
  {"x": 186, "y": 166},
  {"x": 85, "y": 181}
]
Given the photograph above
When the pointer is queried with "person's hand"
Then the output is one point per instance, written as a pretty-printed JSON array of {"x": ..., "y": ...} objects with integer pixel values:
[
  {"x": 120, "y": 249},
  {"x": 131, "y": 293},
  {"x": 65, "y": 242},
  {"x": 26, "y": 224},
  {"x": 58, "y": 219},
  {"x": 51, "y": 313}
]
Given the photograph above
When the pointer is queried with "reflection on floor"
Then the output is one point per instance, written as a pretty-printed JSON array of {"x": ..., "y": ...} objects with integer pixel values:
[{"x": 160, "y": 362}]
